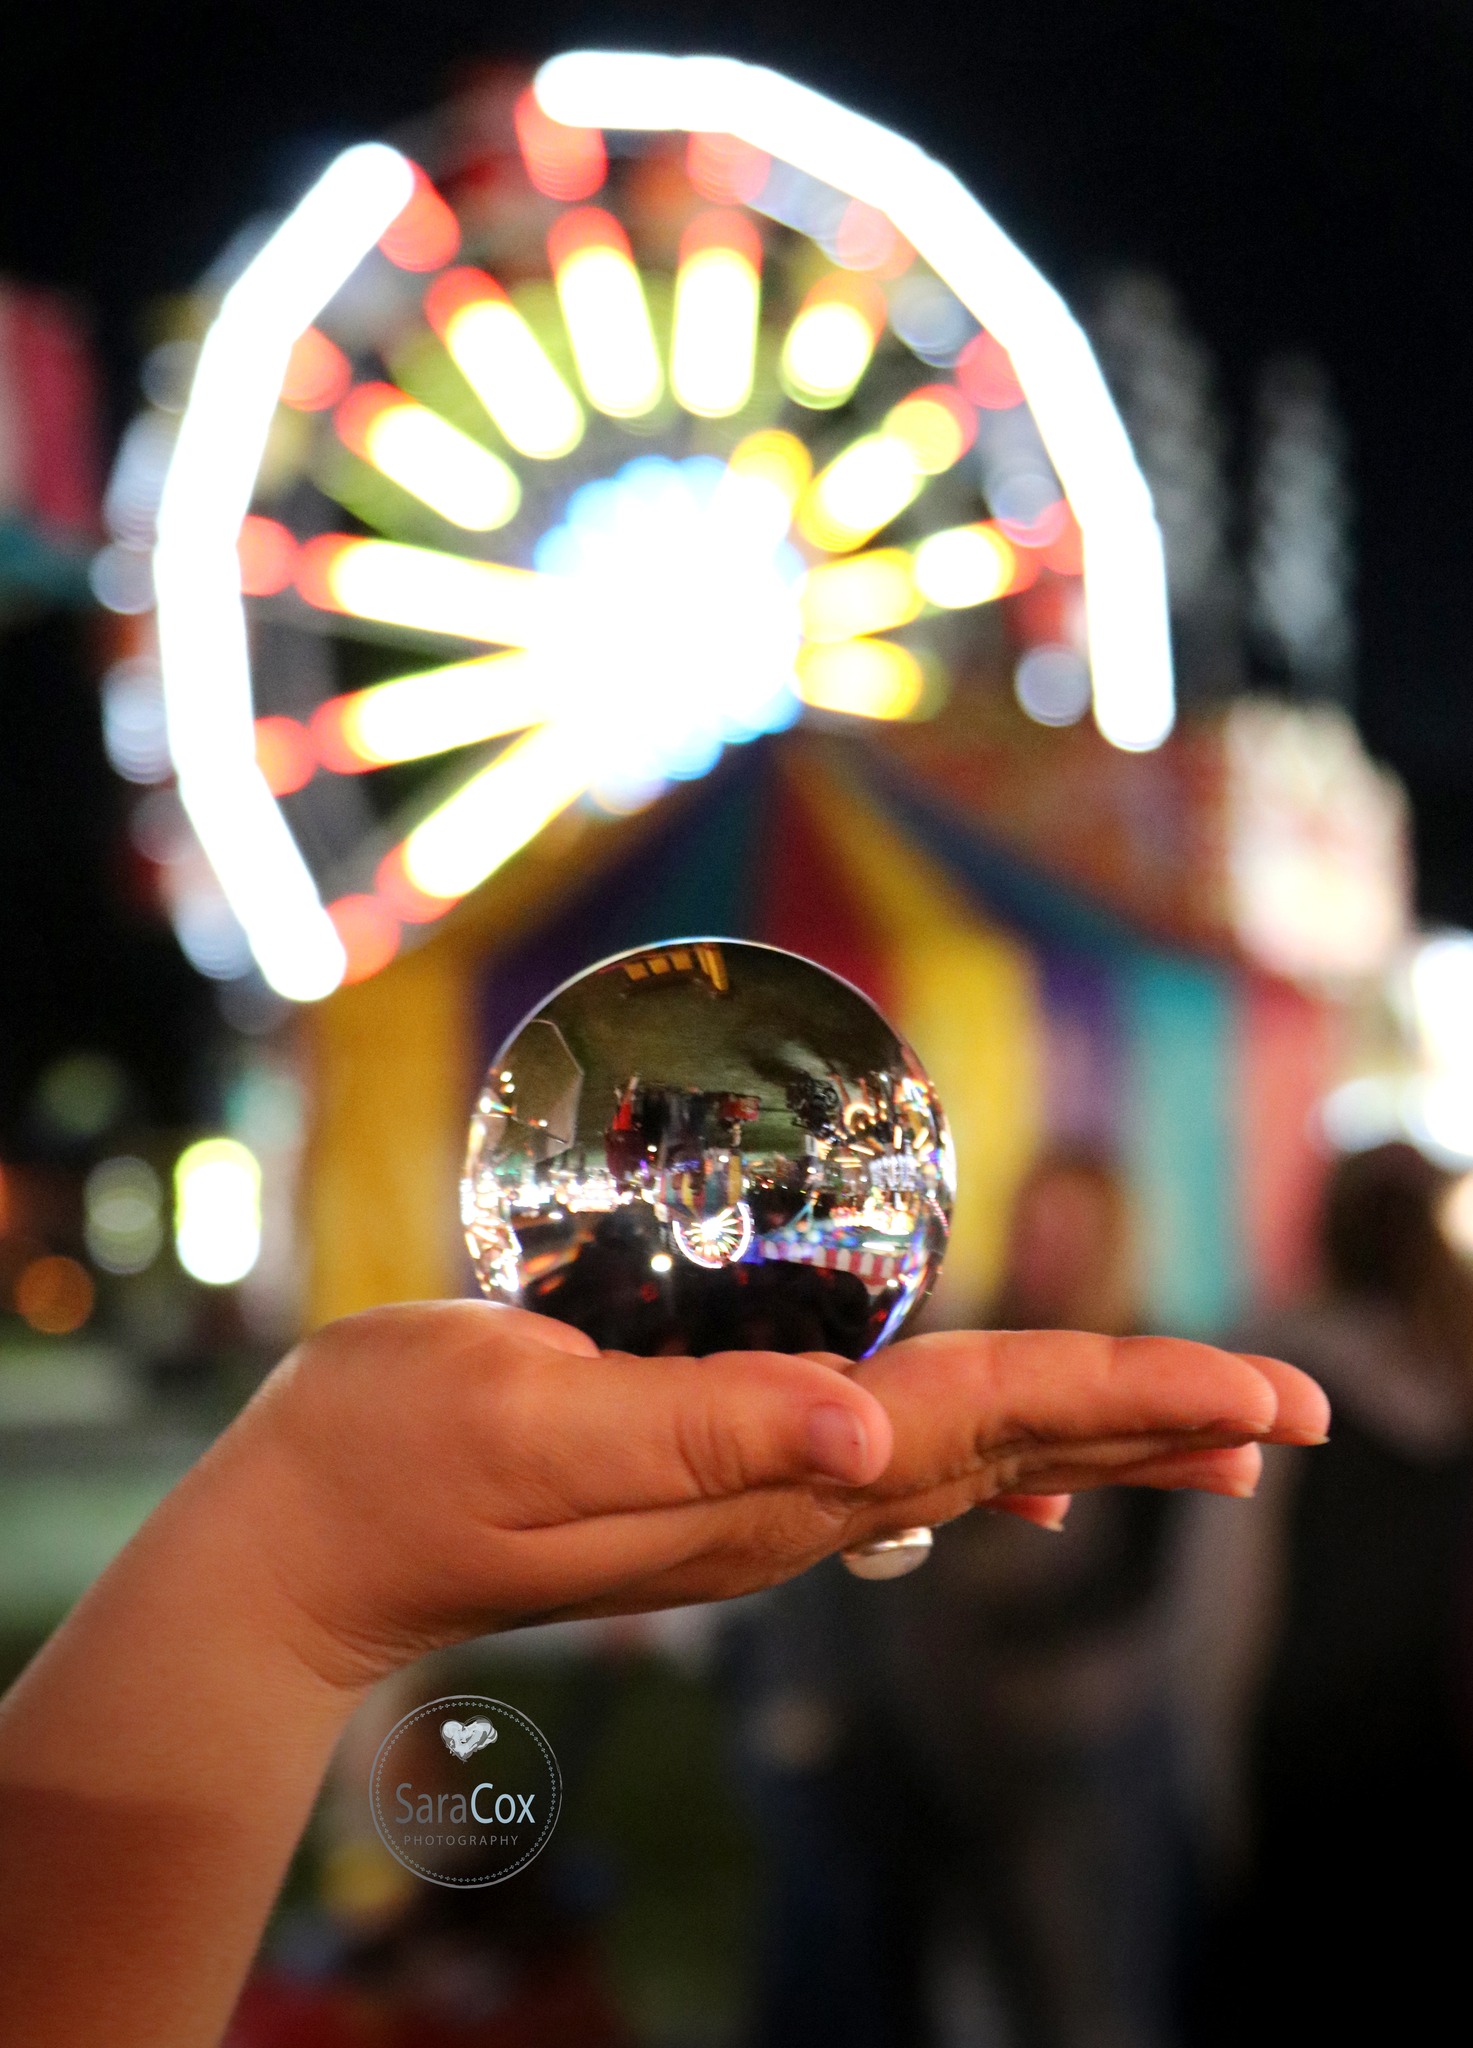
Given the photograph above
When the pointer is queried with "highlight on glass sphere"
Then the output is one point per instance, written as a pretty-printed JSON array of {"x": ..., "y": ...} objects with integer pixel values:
[{"x": 709, "y": 1145}]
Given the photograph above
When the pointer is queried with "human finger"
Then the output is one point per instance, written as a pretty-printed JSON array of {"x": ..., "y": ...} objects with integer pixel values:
[
  {"x": 575, "y": 1437},
  {"x": 1043, "y": 1510},
  {"x": 1304, "y": 1411},
  {"x": 958, "y": 1398}
]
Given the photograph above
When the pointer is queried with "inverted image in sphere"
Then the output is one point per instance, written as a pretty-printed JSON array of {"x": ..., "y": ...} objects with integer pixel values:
[{"x": 708, "y": 1145}]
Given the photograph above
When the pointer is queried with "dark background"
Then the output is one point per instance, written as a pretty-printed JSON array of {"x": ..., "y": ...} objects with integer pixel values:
[{"x": 1301, "y": 171}]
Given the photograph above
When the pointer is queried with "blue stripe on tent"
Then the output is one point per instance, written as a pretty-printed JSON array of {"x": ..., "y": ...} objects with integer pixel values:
[
  {"x": 693, "y": 877},
  {"x": 1010, "y": 888},
  {"x": 1178, "y": 1131}
]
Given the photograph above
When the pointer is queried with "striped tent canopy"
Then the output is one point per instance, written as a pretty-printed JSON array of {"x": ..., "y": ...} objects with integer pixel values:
[{"x": 1055, "y": 926}]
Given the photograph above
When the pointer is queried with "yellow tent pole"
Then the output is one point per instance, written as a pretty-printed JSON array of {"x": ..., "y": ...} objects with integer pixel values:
[{"x": 966, "y": 997}]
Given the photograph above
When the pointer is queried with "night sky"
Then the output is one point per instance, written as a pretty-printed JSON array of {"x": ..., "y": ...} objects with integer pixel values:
[{"x": 1302, "y": 172}]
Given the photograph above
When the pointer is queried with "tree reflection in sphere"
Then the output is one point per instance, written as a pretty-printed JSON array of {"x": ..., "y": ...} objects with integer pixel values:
[{"x": 706, "y": 1146}]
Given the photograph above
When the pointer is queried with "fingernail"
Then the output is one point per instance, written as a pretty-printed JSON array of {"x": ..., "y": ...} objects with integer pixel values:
[
  {"x": 838, "y": 1443},
  {"x": 1056, "y": 1526}
]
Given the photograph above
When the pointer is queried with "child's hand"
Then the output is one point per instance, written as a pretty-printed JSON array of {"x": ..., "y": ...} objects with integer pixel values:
[{"x": 420, "y": 1474}]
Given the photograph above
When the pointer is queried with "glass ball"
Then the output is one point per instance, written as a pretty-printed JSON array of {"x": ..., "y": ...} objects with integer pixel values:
[{"x": 709, "y": 1145}]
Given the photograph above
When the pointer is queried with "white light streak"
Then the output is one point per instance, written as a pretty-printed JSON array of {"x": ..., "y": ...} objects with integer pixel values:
[{"x": 202, "y": 643}]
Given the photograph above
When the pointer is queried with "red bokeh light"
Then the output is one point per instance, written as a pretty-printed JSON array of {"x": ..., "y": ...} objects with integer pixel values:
[
  {"x": 369, "y": 932},
  {"x": 317, "y": 373},
  {"x": 562, "y": 162},
  {"x": 722, "y": 229},
  {"x": 984, "y": 370},
  {"x": 285, "y": 754},
  {"x": 586, "y": 227},
  {"x": 267, "y": 554},
  {"x": 458, "y": 288},
  {"x": 724, "y": 169},
  {"x": 426, "y": 234}
]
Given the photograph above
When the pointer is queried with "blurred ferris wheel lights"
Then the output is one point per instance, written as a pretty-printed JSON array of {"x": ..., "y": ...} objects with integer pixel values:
[{"x": 768, "y": 575}]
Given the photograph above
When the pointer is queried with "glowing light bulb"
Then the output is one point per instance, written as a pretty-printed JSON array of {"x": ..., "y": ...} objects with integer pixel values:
[
  {"x": 605, "y": 313},
  {"x": 505, "y": 364},
  {"x": 317, "y": 373},
  {"x": 422, "y": 453}
]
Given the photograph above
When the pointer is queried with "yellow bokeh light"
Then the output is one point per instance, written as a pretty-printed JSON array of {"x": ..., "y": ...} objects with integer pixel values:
[
  {"x": 445, "y": 469},
  {"x": 861, "y": 678},
  {"x": 862, "y": 490},
  {"x": 965, "y": 565},
  {"x": 511, "y": 374},
  {"x": 713, "y": 354},
  {"x": 608, "y": 324},
  {"x": 490, "y": 817},
  {"x": 931, "y": 429},
  {"x": 826, "y": 352},
  {"x": 867, "y": 594}
]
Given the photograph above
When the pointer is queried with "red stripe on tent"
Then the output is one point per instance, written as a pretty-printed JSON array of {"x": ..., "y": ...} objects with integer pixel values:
[
  {"x": 54, "y": 412},
  {"x": 808, "y": 903},
  {"x": 1287, "y": 1061}
]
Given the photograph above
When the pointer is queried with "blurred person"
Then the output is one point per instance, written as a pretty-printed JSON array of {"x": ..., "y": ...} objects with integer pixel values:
[
  {"x": 419, "y": 1475},
  {"x": 967, "y": 1776},
  {"x": 1333, "y": 1630}
]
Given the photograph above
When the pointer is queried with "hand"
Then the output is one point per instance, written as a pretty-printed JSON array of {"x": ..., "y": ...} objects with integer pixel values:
[{"x": 424, "y": 1473}]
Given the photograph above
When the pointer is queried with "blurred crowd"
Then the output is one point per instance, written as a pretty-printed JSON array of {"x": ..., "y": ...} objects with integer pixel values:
[{"x": 1054, "y": 1791}]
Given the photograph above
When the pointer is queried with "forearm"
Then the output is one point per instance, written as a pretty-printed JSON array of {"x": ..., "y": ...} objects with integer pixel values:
[{"x": 157, "y": 1764}]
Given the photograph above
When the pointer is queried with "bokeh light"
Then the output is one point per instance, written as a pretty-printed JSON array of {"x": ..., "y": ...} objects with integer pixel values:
[
  {"x": 123, "y": 1204},
  {"x": 55, "y": 1295},
  {"x": 217, "y": 1211}
]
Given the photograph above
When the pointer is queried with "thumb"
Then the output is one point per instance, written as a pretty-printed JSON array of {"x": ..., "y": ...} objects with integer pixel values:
[{"x": 615, "y": 1434}]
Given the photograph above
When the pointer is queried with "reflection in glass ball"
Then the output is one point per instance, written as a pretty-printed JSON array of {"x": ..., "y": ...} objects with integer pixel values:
[{"x": 708, "y": 1146}]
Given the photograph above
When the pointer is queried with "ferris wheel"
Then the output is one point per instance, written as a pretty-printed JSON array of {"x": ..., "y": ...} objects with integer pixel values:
[{"x": 654, "y": 405}]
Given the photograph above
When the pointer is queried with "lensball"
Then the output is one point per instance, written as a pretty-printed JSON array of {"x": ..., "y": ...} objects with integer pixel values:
[{"x": 709, "y": 1145}]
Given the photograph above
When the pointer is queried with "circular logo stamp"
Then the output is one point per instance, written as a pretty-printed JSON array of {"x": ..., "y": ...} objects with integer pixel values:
[{"x": 465, "y": 1791}]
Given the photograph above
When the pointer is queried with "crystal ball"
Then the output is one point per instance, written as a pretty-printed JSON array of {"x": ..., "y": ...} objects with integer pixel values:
[{"x": 709, "y": 1145}]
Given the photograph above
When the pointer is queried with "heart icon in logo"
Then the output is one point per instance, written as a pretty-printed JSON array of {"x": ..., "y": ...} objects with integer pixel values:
[{"x": 464, "y": 1738}]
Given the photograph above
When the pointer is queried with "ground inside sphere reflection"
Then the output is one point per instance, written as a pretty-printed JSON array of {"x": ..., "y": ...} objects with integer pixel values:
[{"x": 705, "y": 1146}]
